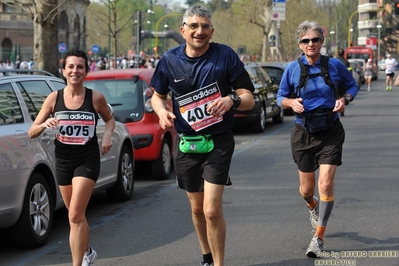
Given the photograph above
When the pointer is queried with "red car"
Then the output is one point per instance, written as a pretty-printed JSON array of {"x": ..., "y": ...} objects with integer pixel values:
[{"x": 128, "y": 92}]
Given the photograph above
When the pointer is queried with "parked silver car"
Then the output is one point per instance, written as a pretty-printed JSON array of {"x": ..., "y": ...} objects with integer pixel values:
[{"x": 29, "y": 192}]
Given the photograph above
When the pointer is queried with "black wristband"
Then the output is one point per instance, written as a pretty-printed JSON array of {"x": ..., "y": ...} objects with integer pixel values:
[
  {"x": 236, "y": 100},
  {"x": 347, "y": 98}
]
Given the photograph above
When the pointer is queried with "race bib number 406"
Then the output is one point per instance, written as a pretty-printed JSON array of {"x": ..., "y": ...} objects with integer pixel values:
[
  {"x": 193, "y": 106},
  {"x": 75, "y": 127}
]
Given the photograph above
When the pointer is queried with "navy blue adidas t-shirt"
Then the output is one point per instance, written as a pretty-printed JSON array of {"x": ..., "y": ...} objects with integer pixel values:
[{"x": 196, "y": 82}]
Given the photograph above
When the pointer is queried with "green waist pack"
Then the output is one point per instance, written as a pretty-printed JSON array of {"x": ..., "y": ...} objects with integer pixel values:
[{"x": 196, "y": 144}]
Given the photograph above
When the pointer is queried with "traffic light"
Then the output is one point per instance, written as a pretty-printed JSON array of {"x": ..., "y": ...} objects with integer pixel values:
[
  {"x": 397, "y": 8},
  {"x": 272, "y": 40}
]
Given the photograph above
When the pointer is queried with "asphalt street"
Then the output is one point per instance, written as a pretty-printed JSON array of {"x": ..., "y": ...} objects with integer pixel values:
[{"x": 267, "y": 220}]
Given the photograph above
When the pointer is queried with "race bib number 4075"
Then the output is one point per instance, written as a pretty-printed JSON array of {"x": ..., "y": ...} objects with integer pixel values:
[
  {"x": 193, "y": 106},
  {"x": 75, "y": 127}
]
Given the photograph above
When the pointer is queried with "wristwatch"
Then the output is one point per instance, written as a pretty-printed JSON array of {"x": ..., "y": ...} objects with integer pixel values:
[
  {"x": 236, "y": 100},
  {"x": 347, "y": 98}
]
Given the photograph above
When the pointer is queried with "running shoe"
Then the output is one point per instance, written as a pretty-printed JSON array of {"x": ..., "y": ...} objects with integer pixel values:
[
  {"x": 206, "y": 264},
  {"x": 387, "y": 89},
  {"x": 314, "y": 214},
  {"x": 315, "y": 247},
  {"x": 90, "y": 257}
]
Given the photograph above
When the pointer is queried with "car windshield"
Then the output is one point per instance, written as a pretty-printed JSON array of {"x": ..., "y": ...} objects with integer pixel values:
[
  {"x": 274, "y": 73},
  {"x": 125, "y": 96},
  {"x": 360, "y": 63}
]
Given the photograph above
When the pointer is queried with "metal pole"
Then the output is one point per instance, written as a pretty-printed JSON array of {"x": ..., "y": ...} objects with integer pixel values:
[
  {"x": 138, "y": 33},
  {"x": 378, "y": 27},
  {"x": 336, "y": 39},
  {"x": 109, "y": 28}
]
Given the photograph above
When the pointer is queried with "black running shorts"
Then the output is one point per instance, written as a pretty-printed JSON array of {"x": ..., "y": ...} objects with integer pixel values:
[
  {"x": 391, "y": 74},
  {"x": 192, "y": 169},
  {"x": 309, "y": 150},
  {"x": 88, "y": 167}
]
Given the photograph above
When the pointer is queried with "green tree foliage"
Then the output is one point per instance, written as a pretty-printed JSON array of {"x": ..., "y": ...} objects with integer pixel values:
[
  {"x": 390, "y": 28},
  {"x": 193, "y": 2},
  {"x": 111, "y": 24},
  {"x": 120, "y": 23}
]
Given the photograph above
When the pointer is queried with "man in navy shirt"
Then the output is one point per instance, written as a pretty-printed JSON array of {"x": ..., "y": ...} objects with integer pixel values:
[
  {"x": 201, "y": 76},
  {"x": 318, "y": 135}
]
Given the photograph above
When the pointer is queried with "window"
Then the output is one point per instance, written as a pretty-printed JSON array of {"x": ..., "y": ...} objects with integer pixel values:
[
  {"x": 10, "y": 110},
  {"x": 34, "y": 93},
  {"x": 58, "y": 85}
]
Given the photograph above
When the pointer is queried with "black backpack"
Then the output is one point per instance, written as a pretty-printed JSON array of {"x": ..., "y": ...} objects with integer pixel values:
[{"x": 304, "y": 77}]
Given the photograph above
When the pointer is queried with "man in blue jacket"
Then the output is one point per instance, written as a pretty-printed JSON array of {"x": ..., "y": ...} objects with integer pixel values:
[{"x": 318, "y": 135}]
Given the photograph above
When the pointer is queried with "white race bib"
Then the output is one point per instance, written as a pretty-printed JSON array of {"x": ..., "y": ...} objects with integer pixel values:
[
  {"x": 193, "y": 106},
  {"x": 75, "y": 127}
]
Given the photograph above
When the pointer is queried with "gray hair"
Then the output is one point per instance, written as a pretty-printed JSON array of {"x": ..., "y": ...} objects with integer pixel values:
[
  {"x": 197, "y": 10},
  {"x": 308, "y": 25}
]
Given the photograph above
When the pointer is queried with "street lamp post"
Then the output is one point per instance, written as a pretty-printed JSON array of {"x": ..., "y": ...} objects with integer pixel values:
[
  {"x": 350, "y": 24},
  {"x": 332, "y": 37},
  {"x": 378, "y": 28},
  {"x": 150, "y": 22},
  {"x": 109, "y": 27},
  {"x": 157, "y": 26},
  {"x": 148, "y": 40},
  {"x": 166, "y": 26}
]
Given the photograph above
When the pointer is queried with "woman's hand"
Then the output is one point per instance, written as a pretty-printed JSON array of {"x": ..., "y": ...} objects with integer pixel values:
[{"x": 50, "y": 123}]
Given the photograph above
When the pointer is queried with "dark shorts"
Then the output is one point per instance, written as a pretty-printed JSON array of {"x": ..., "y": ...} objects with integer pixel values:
[
  {"x": 88, "y": 167},
  {"x": 192, "y": 169},
  {"x": 390, "y": 74},
  {"x": 309, "y": 150}
]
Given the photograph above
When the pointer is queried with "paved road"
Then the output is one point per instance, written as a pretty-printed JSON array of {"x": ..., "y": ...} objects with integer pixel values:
[{"x": 267, "y": 221}]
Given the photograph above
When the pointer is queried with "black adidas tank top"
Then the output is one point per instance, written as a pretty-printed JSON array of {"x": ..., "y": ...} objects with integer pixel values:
[{"x": 76, "y": 134}]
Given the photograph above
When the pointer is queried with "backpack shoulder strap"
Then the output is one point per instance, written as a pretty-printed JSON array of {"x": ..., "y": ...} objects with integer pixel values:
[
  {"x": 326, "y": 75},
  {"x": 304, "y": 73},
  {"x": 324, "y": 70}
]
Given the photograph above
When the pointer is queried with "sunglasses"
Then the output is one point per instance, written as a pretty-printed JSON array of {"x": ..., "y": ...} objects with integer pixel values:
[
  {"x": 195, "y": 26},
  {"x": 313, "y": 40}
]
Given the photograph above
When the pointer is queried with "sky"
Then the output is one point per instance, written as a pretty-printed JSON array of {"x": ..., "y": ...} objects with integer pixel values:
[{"x": 180, "y": 2}]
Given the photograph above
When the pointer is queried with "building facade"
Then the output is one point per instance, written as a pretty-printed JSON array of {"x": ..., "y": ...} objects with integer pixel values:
[
  {"x": 372, "y": 15},
  {"x": 17, "y": 34}
]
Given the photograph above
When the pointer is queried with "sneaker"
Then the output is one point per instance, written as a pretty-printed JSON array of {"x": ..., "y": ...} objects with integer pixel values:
[
  {"x": 387, "y": 89},
  {"x": 206, "y": 264},
  {"x": 314, "y": 214},
  {"x": 316, "y": 246},
  {"x": 390, "y": 88},
  {"x": 368, "y": 89},
  {"x": 90, "y": 257}
]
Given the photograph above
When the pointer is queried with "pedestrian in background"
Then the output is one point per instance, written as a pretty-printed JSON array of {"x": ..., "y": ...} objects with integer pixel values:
[
  {"x": 368, "y": 72},
  {"x": 204, "y": 151},
  {"x": 390, "y": 65},
  {"x": 318, "y": 135},
  {"x": 340, "y": 57},
  {"x": 76, "y": 146}
]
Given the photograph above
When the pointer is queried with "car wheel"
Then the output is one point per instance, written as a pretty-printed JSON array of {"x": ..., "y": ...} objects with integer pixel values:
[
  {"x": 33, "y": 228},
  {"x": 123, "y": 188},
  {"x": 161, "y": 168},
  {"x": 279, "y": 118},
  {"x": 260, "y": 124}
]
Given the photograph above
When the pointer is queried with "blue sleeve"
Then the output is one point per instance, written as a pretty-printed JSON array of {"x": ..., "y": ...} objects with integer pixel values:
[
  {"x": 160, "y": 79},
  {"x": 287, "y": 87}
]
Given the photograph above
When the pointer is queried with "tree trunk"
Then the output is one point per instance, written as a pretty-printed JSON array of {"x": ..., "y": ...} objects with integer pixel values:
[{"x": 46, "y": 38}]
